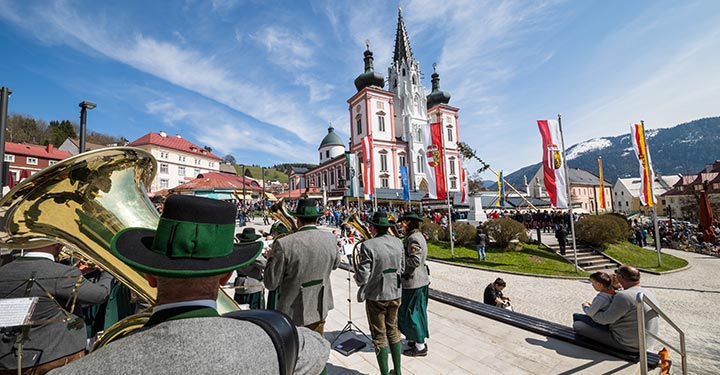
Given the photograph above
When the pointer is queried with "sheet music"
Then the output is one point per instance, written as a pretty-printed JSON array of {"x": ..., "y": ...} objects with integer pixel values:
[{"x": 16, "y": 311}]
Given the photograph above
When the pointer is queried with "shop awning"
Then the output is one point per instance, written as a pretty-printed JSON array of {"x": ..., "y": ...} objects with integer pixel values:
[
  {"x": 270, "y": 196},
  {"x": 215, "y": 195}
]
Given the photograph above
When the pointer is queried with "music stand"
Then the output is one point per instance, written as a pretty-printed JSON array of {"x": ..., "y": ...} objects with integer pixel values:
[{"x": 352, "y": 345}]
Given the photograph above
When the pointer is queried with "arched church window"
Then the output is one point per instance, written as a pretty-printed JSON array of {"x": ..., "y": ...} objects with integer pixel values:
[
  {"x": 414, "y": 81},
  {"x": 403, "y": 72}
]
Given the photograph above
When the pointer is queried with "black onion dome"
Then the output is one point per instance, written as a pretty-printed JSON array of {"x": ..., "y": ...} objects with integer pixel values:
[
  {"x": 437, "y": 96},
  {"x": 370, "y": 77}
]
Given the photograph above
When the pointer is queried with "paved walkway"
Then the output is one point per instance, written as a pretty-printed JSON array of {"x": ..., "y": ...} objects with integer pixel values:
[{"x": 464, "y": 343}]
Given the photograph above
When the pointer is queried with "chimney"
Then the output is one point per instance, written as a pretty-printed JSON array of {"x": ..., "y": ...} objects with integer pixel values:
[
  {"x": 163, "y": 134},
  {"x": 49, "y": 148}
]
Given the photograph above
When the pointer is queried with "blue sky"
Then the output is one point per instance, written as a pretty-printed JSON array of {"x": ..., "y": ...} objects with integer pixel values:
[{"x": 261, "y": 80}]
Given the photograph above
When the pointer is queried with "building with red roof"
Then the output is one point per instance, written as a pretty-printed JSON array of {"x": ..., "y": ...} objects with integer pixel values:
[
  {"x": 179, "y": 160},
  {"x": 26, "y": 159}
]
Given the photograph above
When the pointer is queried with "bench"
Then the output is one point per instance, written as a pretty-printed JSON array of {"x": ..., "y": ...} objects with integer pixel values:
[{"x": 536, "y": 325}]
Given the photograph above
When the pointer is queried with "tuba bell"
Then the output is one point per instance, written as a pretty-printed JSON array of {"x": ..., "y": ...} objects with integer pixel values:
[
  {"x": 82, "y": 202},
  {"x": 279, "y": 211}
]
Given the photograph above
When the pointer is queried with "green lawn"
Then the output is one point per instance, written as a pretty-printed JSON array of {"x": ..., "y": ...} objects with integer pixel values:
[
  {"x": 628, "y": 253},
  {"x": 531, "y": 259}
]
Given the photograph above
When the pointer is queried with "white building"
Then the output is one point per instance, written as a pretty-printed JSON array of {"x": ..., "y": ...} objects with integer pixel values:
[
  {"x": 626, "y": 192},
  {"x": 178, "y": 160},
  {"x": 395, "y": 120}
]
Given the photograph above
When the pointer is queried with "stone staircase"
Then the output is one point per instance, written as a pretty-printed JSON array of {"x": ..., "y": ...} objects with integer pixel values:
[{"x": 588, "y": 259}]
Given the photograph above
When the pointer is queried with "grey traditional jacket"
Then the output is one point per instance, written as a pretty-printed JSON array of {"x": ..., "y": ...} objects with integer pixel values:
[
  {"x": 218, "y": 346},
  {"x": 300, "y": 267},
  {"x": 251, "y": 276},
  {"x": 416, "y": 274},
  {"x": 48, "y": 341},
  {"x": 380, "y": 268}
]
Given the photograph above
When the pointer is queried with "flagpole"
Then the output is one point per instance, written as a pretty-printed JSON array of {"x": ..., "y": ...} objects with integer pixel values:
[
  {"x": 567, "y": 189},
  {"x": 652, "y": 196}
]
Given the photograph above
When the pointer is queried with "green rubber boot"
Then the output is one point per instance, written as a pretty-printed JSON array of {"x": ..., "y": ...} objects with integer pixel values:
[
  {"x": 396, "y": 352},
  {"x": 324, "y": 371},
  {"x": 382, "y": 358}
]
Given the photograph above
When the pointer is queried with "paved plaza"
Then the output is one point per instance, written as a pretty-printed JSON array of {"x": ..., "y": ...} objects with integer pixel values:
[{"x": 465, "y": 343}]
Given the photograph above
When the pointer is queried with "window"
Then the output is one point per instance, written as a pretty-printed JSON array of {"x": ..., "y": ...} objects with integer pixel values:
[
  {"x": 181, "y": 171},
  {"x": 320, "y": 156},
  {"x": 197, "y": 172},
  {"x": 384, "y": 182},
  {"x": 452, "y": 166},
  {"x": 622, "y": 193},
  {"x": 211, "y": 164},
  {"x": 327, "y": 153},
  {"x": 164, "y": 155},
  {"x": 357, "y": 109},
  {"x": 181, "y": 158},
  {"x": 358, "y": 124},
  {"x": 419, "y": 134},
  {"x": 198, "y": 161},
  {"x": 381, "y": 123},
  {"x": 450, "y": 134},
  {"x": 164, "y": 183},
  {"x": 383, "y": 163},
  {"x": 32, "y": 161},
  {"x": 52, "y": 162},
  {"x": 420, "y": 164},
  {"x": 332, "y": 178},
  {"x": 627, "y": 203},
  {"x": 163, "y": 168},
  {"x": 402, "y": 160},
  {"x": 414, "y": 81},
  {"x": 10, "y": 158},
  {"x": 453, "y": 183}
]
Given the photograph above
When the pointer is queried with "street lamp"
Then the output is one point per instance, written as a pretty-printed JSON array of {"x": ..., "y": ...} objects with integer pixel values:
[
  {"x": 84, "y": 106},
  {"x": 4, "y": 94}
]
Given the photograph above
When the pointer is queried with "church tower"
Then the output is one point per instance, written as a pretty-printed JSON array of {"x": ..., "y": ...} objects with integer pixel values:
[{"x": 410, "y": 104}]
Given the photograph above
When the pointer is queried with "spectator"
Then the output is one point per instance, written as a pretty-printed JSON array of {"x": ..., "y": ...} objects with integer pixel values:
[
  {"x": 602, "y": 283},
  {"x": 621, "y": 316},
  {"x": 480, "y": 243},
  {"x": 494, "y": 295},
  {"x": 561, "y": 235}
]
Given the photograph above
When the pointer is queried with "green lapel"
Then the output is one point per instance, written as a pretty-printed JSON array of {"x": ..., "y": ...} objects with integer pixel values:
[
  {"x": 307, "y": 227},
  {"x": 184, "y": 312}
]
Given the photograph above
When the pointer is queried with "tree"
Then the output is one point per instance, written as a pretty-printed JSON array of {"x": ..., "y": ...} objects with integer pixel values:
[
  {"x": 229, "y": 159},
  {"x": 208, "y": 148},
  {"x": 25, "y": 129},
  {"x": 59, "y": 131}
]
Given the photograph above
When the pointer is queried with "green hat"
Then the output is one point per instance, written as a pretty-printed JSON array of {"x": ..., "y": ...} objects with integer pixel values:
[
  {"x": 247, "y": 235},
  {"x": 411, "y": 216},
  {"x": 194, "y": 238},
  {"x": 306, "y": 209},
  {"x": 380, "y": 219}
]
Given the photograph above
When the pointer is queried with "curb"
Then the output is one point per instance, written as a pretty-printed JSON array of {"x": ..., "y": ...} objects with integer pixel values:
[{"x": 507, "y": 272}]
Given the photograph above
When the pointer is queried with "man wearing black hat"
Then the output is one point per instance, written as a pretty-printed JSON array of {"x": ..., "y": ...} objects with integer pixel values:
[
  {"x": 412, "y": 317},
  {"x": 299, "y": 265},
  {"x": 380, "y": 266},
  {"x": 188, "y": 257},
  {"x": 248, "y": 282}
]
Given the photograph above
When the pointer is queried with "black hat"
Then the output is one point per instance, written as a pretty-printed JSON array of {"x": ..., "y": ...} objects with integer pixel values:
[
  {"x": 247, "y": 235},
  {"x": 380, "y": 219},
  {"x": 411, "y": 216},
  {"x": 194, "y": 238},
  {"x": 306, "y": 209}
]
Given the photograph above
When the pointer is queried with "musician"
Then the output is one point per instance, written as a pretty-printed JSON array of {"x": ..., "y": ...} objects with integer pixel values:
[
  {"x": 58, "y": 334},
  {"x": 188, "y": 257},
  {"x": 299, "y": 265},
  {"x": 412, "y": 317},
  {"x": 380, "y": 266},
  {"x": 249, "y": 278}
]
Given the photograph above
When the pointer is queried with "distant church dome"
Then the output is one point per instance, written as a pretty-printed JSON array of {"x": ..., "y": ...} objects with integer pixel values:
[
  {"x": 437, "y": 96},
  {"x": 331, "y": 139},
  {"x": 370, "y": 77}
]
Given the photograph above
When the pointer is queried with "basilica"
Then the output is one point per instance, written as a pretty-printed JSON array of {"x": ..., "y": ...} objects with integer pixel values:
[{"x": 392, "y": 123}]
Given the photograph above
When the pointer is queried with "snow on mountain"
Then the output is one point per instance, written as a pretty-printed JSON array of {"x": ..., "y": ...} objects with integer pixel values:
[{"x": 594, "y": 144}]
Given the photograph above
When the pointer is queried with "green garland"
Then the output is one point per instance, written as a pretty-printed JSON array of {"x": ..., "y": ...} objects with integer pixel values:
[{"x": 469, "y": 153}]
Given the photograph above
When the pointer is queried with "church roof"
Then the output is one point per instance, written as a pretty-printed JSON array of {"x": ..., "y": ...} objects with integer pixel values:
[
  {"x": 370, "y": 77},
  {"x": 437, "y": 96},
  {"x": 402, "y": 43},
  {"x": 331, "y": 139}
]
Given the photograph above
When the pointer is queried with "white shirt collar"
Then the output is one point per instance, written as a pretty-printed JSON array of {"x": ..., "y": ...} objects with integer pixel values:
[
  {"x": 200, "y": 302},
  {"x": 39, "y": 254}
]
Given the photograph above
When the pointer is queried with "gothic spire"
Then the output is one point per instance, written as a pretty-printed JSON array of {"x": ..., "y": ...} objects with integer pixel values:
[{"x": 402, "y": 43}]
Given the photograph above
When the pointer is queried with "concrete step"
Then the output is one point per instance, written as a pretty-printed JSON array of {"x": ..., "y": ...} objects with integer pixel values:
[{"x": 600, "y": 267}]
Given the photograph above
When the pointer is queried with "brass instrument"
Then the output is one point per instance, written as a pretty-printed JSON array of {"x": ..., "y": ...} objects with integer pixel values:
[
  {"x": 279, "y": 211},
  {"x": 357, "y": 223},
  {"x": 82, "y": 202}
]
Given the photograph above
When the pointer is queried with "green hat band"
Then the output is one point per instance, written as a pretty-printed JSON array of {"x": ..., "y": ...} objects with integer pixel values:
[
  {"x": 308, "y": 211},
  {"x": 382, "y": 221},
  {"x": 182, "y": 239}
]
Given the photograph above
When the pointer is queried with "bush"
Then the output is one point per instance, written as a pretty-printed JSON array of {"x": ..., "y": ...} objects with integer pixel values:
[
  {"x": 599, "y": 231},
  {"x": 504, "y": 230},
  {"x": 464, "y": 234},
  {"x": 622, "y": 223},
  {"x": 430, "y": 229}
]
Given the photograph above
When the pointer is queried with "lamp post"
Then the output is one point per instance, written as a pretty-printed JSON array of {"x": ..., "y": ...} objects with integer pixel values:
[
  {"x": 4, "y": 94},
  {"x": 84, "y": 106}
]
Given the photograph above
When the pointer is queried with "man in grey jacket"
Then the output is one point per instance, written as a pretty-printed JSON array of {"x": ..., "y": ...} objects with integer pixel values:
[
  {"x": 299, "y": 264},
  {"x": 380, "y": 266},
  {"x": 58, "y": 334},
  {"x": 621, "y": 315},
  {"x": 412, "y": 317},
  {"x": 188, "y": 257}
]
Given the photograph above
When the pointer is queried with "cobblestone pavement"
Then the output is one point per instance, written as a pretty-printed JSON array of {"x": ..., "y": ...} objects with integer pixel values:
[{"x": 690, "y": 298}]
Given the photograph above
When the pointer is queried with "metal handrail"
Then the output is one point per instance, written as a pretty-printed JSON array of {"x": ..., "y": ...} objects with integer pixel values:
[{"x": 642, "y": 333}]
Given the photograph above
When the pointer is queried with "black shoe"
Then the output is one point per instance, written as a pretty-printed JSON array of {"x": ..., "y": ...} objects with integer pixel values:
[{"x": 414, "y": 352}]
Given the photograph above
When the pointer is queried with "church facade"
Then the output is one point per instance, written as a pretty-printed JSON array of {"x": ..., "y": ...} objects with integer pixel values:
[{"x": 394, "y": 120}]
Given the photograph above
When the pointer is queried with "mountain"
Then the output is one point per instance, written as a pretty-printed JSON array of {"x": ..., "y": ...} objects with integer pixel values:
[{"x": 683, "y": 149}]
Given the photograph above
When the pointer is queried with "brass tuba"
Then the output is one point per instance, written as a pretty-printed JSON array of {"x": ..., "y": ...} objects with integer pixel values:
[
  {"x": 357, "y": 223},
  {"x": 82, "y": 202},
  {"x": 279, "y": 211}
]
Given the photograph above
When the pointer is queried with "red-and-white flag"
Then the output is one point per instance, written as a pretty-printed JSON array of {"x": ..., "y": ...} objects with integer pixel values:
[
  {"x": 435, "y": 161},
  {"x": 368, "y": 179},
  {"x": 464, "y": 186},
  {"x": 553, "y": 163},
  {"x": 637, "y": 134}
]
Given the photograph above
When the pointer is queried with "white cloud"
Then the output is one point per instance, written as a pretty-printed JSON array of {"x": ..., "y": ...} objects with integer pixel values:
[
  {"x": 318, "y": 90},
  {"x": 287, "y": 49}
]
